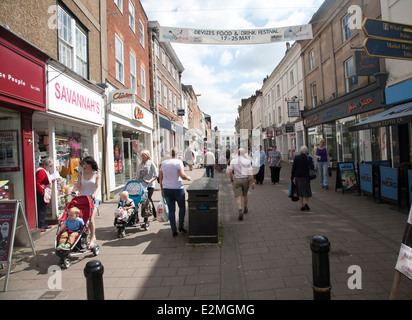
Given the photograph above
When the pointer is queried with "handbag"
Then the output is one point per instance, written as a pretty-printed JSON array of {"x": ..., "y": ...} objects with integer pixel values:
[
  {"x": 312, "y": 172},
  {"x": 293, "y": 193},
  {"x": 162, "y": 211},
  {"x": 146, "y": 209},
  {"x": 47, "y": 194}
]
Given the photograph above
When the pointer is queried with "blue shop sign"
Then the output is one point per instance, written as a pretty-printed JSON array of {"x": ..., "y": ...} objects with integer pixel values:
[
  {"x": 389, "y": 183},
  {"x": 366, "y": 177}
]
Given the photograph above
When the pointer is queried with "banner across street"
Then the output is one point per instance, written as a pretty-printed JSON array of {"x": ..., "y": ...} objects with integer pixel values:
[{"x": 234, "y": 37}]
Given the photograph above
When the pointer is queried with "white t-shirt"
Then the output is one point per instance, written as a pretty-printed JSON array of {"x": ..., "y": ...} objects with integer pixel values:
[
  {"x": 241, "y": 167},
  {"x": 171, "y": 178}
]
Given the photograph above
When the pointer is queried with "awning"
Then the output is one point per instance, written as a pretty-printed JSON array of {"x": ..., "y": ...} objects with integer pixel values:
[{"x": 396, "y": 115}]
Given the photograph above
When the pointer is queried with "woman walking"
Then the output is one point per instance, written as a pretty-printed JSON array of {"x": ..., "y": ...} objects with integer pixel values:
[
  {"x": 322, "y": 154},
  {"x": 300, "y": 172},
  {"x": 275, "y": 164},
  {"x": 88, "y": 184},
  {"x": 147, "y": 175}
]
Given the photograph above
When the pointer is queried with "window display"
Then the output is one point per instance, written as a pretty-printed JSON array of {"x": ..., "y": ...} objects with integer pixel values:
[
  {"x": 72, "y": 144},
  {"x": 128, "y": 144},
  {"x": 11, "y": 170}
]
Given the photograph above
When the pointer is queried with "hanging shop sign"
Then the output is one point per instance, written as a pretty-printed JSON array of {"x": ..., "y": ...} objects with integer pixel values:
[
  {"x": 71, "y": 98},
  {"x": 22, "y": 77},
  {"x": 239, "y": 36}
]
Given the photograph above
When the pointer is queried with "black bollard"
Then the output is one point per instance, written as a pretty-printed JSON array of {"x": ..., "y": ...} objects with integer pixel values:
[
  {"x": 320, "y": 247},
  {"x": 93, "y": 271}
]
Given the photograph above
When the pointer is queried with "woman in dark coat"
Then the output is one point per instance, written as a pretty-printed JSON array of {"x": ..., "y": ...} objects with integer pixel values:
[{"x": 300, "y": 172}]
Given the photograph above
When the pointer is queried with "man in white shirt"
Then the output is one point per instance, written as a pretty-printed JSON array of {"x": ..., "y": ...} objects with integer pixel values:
[
  {"x": 240, "y": 174},
  {"x": 210, "y": 164},
  {"x": 170, "y": 179}
]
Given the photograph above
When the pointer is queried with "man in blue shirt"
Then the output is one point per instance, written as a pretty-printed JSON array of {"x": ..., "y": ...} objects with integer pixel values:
[{"x": 262, "y": 161}]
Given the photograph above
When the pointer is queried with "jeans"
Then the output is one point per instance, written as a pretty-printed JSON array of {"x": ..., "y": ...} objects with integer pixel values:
[
  {"x": 323, "y": 173},
  {"x": 171, "y": 196},
  {"x": 210, "y": 171}
]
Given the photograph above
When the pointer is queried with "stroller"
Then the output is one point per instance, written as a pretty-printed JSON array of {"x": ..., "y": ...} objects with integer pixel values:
[
  {"x": 138, "y": 195},
  {"x": 80, "y": 245}
]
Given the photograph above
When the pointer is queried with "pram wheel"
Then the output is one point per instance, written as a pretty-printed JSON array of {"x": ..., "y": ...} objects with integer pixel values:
[
  {"x": 66, "y": 263},
  {"x": 121, "y": 233},
  {"x": 145, "y": 226},
  {"x": 96, "y": 250}
]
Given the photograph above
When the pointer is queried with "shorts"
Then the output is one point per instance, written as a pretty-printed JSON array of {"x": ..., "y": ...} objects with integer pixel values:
[
  {"x": 96, "y": 203},
  {"x": 241, "y": 186}
]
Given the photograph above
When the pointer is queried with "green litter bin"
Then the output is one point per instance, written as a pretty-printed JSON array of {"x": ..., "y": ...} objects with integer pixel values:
[{"x": 203, "y": 211}]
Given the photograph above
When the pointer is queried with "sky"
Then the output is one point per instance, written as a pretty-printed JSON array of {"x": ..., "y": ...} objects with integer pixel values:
[{"x": 224, "y": 74}]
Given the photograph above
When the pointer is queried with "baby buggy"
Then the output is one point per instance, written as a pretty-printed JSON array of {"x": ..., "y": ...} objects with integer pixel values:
[
  {"x": 80, "y": 245},
  {"x": 138, "y": 195}
]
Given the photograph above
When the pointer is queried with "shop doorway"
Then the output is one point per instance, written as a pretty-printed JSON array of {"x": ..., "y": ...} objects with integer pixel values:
[{"x": 128, "y": 172}]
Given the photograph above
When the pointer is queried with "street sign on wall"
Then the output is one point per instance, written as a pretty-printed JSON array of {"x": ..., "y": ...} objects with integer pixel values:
[
  {"x": 387, "y": 30},
  {"x": 388, "y": 48},
  {"x": 387, "y": 39}
]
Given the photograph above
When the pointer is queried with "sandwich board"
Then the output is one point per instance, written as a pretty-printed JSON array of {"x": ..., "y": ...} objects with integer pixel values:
[{"x": 12, "y": 220}]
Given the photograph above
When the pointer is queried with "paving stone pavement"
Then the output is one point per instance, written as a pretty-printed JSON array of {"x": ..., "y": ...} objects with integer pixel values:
[{"x": 266, "y": 256}]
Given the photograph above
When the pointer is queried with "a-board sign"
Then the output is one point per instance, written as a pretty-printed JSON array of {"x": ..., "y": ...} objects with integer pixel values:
[
  {"x": 404, "y": 262},
  {"x": 12, "y": 219},
  {"x": 389, "y": 183},
  {"x": 366, "y": 182},
  {"x": 346, "y": 176}
]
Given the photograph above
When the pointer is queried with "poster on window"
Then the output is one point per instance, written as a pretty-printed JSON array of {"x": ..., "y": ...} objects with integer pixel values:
[{"x": 9, "y": 150}]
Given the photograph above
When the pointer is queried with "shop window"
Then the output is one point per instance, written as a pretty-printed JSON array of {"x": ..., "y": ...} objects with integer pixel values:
[
  {"x": 71, "y": 144},
  {"x": 11, "y": 162}
]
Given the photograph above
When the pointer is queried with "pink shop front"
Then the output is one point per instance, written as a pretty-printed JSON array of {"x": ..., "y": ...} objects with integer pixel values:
[{"x": 68, "y": 131}]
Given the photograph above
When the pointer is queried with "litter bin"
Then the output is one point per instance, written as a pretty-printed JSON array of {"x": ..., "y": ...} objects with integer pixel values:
[{"x": 203, "y": 211}]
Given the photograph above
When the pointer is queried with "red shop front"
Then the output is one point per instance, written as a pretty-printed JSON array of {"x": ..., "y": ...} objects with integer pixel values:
[{"x": 22, "y": 91}]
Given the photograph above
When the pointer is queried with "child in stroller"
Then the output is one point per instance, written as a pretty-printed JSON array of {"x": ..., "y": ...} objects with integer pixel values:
[
  {"x": 136, "y": 193},
  {"x": 126, "y": 207},
  {"x": 72, "y": 227},
  {"x": 80, "y": 244}
]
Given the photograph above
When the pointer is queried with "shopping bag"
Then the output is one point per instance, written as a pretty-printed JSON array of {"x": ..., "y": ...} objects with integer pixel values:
[
  {"x": 162, "y": 211},
  {"x": 146, "y": 209},
  {"x": 293, "y": 192}
]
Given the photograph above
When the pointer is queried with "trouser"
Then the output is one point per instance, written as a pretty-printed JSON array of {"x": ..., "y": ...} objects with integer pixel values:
[
  {"x": 210, "y": 171},
  {"x": 323, "y": 173},
  {"x": 149, "y": 196},
  {"x": 261, "y": 174},
  {"x": 41, "y": 211},
  {"x": 172, "y": 196},
  {"x": 68, "y": 237},
  {"x": 274, "y": 174}
]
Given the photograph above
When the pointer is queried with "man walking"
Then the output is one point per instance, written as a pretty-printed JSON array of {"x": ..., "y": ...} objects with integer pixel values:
[
  {"x": 170, "y": 179},
  {"x": 262, "y": 161},
  {"x": 240, "y": 174},
  {"x": 210, "y": 163}
]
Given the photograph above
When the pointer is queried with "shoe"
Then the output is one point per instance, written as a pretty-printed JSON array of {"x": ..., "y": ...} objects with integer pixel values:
[
  {"x": 245, "y": 210},
  {"x": 307, "y": 207},
  {"x": 175, "y": 234},
  {"x": 240, "y": 215},
  {"x": 326, "y": 187},
  {"x": 60, "y": 247},
  {"x": 182, "y": 230},
  {"x": 302, "y": 208}
]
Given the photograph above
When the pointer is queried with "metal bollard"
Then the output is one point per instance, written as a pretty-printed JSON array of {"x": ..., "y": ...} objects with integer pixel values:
[
  {"x": 93, "y": 271},
  {"x": 320, "y": 247}
]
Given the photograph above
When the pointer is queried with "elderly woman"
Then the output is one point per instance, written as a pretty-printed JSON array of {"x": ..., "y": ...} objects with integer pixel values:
[
  {"x": 147, "y": 175},
  {"x": 300, "y": 172},
  {"x": 43, "y": 192}
]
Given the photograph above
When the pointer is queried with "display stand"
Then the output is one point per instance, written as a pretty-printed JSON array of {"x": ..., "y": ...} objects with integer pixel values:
[
  {"x": 404, "y": 262},
  {"x": 10, "y": 222},
  {"x": 346, "y": 177}
]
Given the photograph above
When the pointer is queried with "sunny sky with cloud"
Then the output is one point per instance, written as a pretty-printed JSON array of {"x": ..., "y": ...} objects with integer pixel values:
[{"x": 225, "y": 74}]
